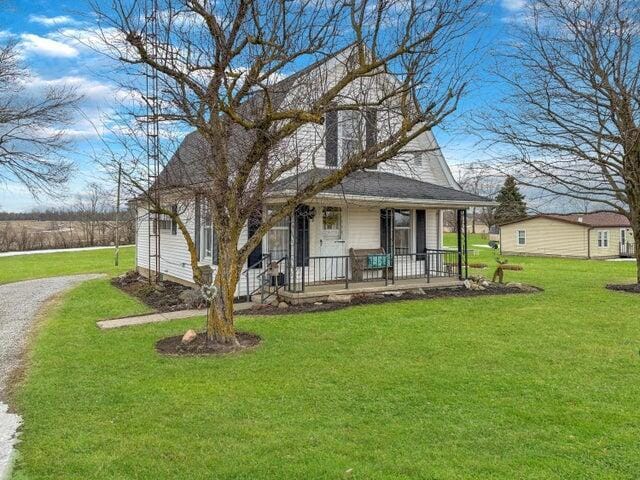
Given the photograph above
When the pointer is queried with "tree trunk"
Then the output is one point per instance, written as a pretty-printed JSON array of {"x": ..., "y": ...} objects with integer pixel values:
[{"x": 220, "y": 326}]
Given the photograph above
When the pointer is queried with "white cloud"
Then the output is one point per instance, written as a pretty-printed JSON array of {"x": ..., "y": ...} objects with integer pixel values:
[
  {"x": 35, "y": 44},
  {"x": 51, "y": 21},
  {"x": 513, "y": 5}
]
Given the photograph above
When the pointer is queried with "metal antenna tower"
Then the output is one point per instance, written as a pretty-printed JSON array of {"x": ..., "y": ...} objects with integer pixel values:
[{"x": 152, "y": 137}]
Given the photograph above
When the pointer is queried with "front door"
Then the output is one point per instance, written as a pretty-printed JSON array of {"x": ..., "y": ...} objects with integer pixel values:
[{"x": 332, "y": 245}]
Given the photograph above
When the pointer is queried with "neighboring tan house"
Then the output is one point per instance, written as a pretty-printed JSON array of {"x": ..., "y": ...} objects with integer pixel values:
[
  {"x": 379, "y": 227},
  {"x": 579, "y": 235}
]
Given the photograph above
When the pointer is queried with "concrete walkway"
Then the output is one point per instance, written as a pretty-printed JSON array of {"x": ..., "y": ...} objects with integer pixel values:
[
  {"x": 58, "y": 250},
  {"x": 20, "y": 303},
  {"x": 161, "y": 317}
]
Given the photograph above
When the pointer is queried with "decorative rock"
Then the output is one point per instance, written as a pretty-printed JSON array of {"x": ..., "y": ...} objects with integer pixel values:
[
  {"x": 275, "y": 302},
  {"x": 395, "y": 293},
  {"x": 189, "y": 337},
  {"x": 417, "y": 291},
  {"x": 514, "y": 285},
  {"x": 484, "y": 284},
  {"x": 468, "y": 284},
  {"x": 317, "y": 303},
  {"x": 283, "y": 305},
  {"x": 339, "y": 298}
]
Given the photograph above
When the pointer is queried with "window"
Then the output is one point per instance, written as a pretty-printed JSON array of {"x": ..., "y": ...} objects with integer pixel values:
[
  {"x": 603, "y": 238},
  {"x": 521, "y": 237},
  {"x": 209, "y": 249},
  {"x": 623, "y": 236},
  {"x": 278, "y": 240},
  {"x": 417, "y": 159},
  {"x": 164, "y": 222},
  {"x": 401, "y": 231},
  {"x": 351, "y": 128},
  {"x": 332, "y": 220}
]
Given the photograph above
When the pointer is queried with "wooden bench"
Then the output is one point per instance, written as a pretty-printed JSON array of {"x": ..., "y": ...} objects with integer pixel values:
[{"x": 360, "y": 263}]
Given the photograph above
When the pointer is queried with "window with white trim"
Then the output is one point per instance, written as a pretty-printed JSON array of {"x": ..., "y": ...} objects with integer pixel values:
[
  {"x": 278, "y": 240},
  {"x": 401, "y": 231},
  {"x": 603, "y": 238},
  {"x": 351, "y": 133},
  {"x": 521, "y": 237},
  {"x": 623, "y": 236}
]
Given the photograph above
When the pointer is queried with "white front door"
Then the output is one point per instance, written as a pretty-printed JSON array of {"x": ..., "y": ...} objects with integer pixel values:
[{"x": 332, "y": 244}]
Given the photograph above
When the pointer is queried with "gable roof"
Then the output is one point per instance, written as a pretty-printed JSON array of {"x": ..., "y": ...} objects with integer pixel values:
[
  {"x": 587, "y": 220},
  {"x": 373, "y": 183}
]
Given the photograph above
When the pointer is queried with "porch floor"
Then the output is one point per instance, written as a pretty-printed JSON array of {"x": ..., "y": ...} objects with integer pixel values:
[{"x": 321, "y": 292}]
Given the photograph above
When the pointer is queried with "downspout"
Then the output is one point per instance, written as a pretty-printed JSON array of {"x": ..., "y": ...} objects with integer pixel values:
[{"x": 589, "y": 243}]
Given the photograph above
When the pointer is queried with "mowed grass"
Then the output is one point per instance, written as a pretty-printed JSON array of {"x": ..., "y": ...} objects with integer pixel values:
[
  {"x": 523, "y": 386},
  {"x": 40, "y": 265}
]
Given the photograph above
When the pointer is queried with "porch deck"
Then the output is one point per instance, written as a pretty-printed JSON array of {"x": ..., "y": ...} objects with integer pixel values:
[{"x": 322, "y": 292}]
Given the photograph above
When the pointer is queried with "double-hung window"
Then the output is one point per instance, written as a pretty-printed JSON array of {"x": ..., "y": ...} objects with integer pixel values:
[
  {"x": 278, "y": 240},
  {"x": 209, "y": 249},
  {"x": 402, "y": 231},
  {"x": 603, "y": 238},
  {"x": 521, "y": 237},
  {"x": 351, "y": 133}
]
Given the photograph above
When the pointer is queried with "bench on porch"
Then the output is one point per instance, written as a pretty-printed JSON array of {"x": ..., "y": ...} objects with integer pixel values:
[{"x": 369, "y": 259}]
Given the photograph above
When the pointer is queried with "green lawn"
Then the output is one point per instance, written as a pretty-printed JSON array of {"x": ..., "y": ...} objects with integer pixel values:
[
  {"x": 24, "y": 267},
  {"x": 527, "y": 386}
]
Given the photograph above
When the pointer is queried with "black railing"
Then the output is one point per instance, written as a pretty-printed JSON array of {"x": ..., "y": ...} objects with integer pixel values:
[
  {"x": 374, "y": 267},
  {"x": 628, "y": 250}
]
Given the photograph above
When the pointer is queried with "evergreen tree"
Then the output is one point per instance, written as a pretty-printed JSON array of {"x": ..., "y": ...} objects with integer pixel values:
[{"x": 511, "y": 202}]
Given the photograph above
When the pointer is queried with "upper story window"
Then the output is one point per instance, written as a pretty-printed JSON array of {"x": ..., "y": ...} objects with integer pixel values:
[
  {"x": 347, "y": 133},
  {"x": 351, "y": 133},
  {"x": 603, "y": 238},
  {"x": 417, "y": 159},
  {"x": 521, "y": 237}
]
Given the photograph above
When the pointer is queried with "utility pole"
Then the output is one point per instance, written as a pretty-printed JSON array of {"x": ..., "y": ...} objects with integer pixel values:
[{"x": 118, "y": 213}]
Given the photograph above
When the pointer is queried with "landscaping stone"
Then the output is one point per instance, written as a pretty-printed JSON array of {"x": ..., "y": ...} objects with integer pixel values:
[
  {"x": 417, "y": 291},
  {"x": 317, "y": 303},
  {"x": 283, "y": 305},
  {"x": 395, "y": 293},
  {"x": 275, "y": 302},
  {"x": 189, "y": 337},
  {"x": 339, "y": 298}
]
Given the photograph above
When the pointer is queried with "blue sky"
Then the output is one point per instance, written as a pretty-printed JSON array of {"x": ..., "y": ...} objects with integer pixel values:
[{"x": 47, "y": 34}]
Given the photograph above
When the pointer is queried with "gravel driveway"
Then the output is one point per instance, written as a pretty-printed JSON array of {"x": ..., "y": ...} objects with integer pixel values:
[{"x": 19, "y": 305}]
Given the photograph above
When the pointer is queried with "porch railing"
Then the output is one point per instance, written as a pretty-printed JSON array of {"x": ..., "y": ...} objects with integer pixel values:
[
  {"x": 628, "y": 250},
  {"x": 377, "y": 267}
]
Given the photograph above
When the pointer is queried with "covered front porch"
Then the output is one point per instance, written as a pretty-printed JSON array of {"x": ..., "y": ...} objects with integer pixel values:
[{"x": 333, "y": 247}]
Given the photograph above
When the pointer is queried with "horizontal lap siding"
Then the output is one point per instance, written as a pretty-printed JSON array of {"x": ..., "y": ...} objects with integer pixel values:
[
  {"x": 363, "y": 228},
  {"x": 546, "y": 237}
]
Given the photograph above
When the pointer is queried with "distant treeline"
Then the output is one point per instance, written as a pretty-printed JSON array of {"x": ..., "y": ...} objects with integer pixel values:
[{"x": 61, "y": 214}]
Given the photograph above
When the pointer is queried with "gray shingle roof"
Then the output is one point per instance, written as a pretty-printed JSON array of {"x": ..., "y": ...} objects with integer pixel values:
[{"x": 372, "y": 183}]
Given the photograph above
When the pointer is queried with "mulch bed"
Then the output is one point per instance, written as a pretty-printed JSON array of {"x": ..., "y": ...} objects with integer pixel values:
[
  {"x": 625, "y": 287},
  {"x": 164, "y": 297},
  {"x": 201, "y": 346},
  {"x": 368, "y": 299}
]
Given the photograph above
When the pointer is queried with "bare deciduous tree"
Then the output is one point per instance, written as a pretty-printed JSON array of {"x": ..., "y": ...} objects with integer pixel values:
[
  {"x": 31, "y": 127},
  {"x": 218, "y": 64},
  {"x": 571, "y": 125},
  {"x": 480, "y": 179},
  {"x": 90, "y": 207}
]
